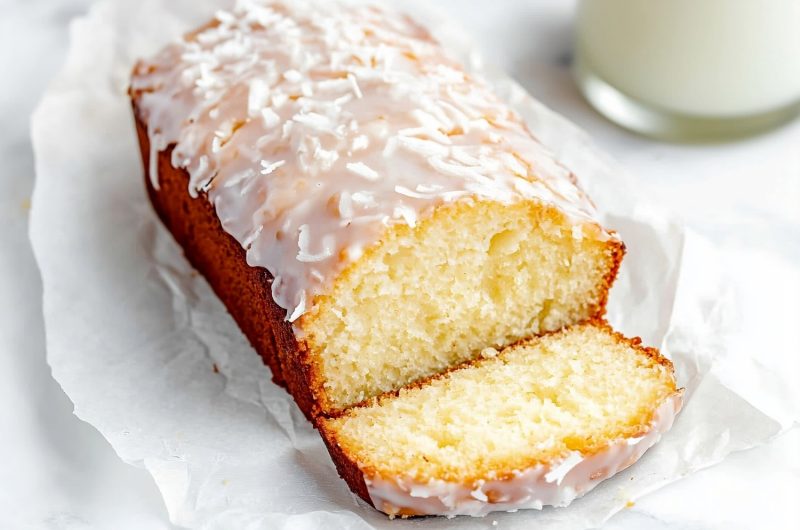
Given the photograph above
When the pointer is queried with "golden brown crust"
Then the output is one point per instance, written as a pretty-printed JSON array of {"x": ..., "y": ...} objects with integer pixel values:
[
  {"x": 347, "y": 467},
  {"x": 617, "y": 248},
  {"x": 244, "y": 290}
]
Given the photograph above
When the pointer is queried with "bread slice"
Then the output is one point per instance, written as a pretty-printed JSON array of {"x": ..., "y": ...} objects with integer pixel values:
[
  {"x": 540, "y": 423},
  {"x": 370, "y": 213}
]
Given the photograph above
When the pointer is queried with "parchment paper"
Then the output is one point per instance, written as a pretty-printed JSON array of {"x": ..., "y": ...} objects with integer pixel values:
[{"x": 134, "y": 334}]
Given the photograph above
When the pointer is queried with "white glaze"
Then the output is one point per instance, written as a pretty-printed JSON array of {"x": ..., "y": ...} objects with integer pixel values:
[
  {"x": 554, "y": 485},
  {"x": 312, "y": 126}
]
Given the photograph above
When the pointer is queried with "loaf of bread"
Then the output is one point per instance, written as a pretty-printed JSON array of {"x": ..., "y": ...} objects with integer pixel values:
[
  {"x": 540, "y": 423},
  {"x": 380, "y": 225},
  {"x": 370, "y": 213}
]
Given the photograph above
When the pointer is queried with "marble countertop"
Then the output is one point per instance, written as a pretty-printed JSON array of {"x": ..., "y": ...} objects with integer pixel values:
[{"x": 745, "y": 196}]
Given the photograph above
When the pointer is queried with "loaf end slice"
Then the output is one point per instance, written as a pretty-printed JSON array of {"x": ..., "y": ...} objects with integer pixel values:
[
  {"x": 540, "y": 423},
  {"x": 470, "y": 275}
]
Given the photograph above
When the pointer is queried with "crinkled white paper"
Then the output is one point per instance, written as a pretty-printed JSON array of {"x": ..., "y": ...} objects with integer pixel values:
[{"x": 134, "y": 334}]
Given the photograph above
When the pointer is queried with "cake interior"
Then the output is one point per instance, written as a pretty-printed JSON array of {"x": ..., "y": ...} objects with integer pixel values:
[
  {"x": 473, "y": 275},
  {"x": 575, "y": 390}
]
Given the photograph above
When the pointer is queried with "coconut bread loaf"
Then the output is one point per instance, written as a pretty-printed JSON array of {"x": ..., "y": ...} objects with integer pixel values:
[
  {"x": 370, "y": 213},
  {"x": 540, "y": 423}
]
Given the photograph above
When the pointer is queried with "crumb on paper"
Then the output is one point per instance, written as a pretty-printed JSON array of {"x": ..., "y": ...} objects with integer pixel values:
[
  {"x": 630, "y": 504},
  {"x": 215, "y": 368},
  {"x": 225, "y": 482},
  {"x": 494, "y": 523},
  {"x": 25, "y": 205}
]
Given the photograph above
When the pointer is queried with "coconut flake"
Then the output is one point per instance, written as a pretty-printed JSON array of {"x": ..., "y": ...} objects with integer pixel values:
[
  {"x": 426, "y": 148},
  {"x": 426, "y": 119},
  {"x": 513, "y": 163},
  {"x": 407, "y": 213},
  {"x": 325, "y": 157},
  {"x": 354, "y": 85},
  {"x": 257, "y": 97},
  {"x": 428, "y": 188},
  {"x": 364, "y": 198},
  {"x": 293, "y": 76},
  {"x": 457, "y": 170},
  {"x": 402, "y": 190},
  {"x": 430, "y": 132},
  {"x": 558, "y": 473},
  {"x": 252, "y": 236},
  {"x": 279, "y": 99},
  {"x": 286, "y": 130},
  {"x": 346, "y": 205},
  {"x": 462, "y": 155},
  {"x": 268, "y": 167},
  {"x": 303, "y": 242},
  {"x": 360, "y": 142},
  {"x": 225, "y": 17},
  {"x": 269, "y": 117},
  {"x": 315, "y": 121},
  {"x": 363, "y": 170},
  {"x": 390, "y": 147}
]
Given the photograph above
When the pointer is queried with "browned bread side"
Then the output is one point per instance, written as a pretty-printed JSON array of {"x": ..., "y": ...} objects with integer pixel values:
[{"x": 244, "y": 290}]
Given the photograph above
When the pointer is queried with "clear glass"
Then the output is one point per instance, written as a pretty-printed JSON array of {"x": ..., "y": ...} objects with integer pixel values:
[{"x": 687, "y": 70}]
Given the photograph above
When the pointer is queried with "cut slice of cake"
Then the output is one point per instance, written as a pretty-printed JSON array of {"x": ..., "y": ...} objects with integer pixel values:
[
  {"x": 370, "y": 212},
  {"x": 540, "y": 423}
]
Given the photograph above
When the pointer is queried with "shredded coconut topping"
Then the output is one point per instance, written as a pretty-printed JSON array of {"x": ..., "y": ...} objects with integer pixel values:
[
  {"x": 311, "y": 125},
  {"x": 360, "y": 168}
]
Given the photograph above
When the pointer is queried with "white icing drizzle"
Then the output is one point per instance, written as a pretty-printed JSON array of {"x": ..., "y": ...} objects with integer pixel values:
[
  {"x": 533, "y": 488},
  {"x": 312, "y": 125}
]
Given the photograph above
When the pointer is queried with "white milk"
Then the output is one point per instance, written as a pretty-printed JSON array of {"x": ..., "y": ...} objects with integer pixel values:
[{"x": 706, "y": 58}]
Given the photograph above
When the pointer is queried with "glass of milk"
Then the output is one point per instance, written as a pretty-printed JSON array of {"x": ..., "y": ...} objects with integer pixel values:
[{"x": 690, "y": 69}]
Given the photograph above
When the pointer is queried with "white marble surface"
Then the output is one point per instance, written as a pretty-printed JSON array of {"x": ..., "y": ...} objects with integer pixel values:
[{"x": 59, "y": 473}]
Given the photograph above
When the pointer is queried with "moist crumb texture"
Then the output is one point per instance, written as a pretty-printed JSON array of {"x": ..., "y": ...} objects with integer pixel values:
[
  {"x": 537, "y": 402},
  {"x": 472, "y": 276}
]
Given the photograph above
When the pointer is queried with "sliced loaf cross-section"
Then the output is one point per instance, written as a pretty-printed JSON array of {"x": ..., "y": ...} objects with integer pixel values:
[{"x": 540, "y": 423}]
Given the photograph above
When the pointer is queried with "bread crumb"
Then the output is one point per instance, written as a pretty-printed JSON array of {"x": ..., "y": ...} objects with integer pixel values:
[
  {"x": 488, "y": 353},
  {"x": 215, "y": 368},
  {"x": 630, "y": 504}
]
